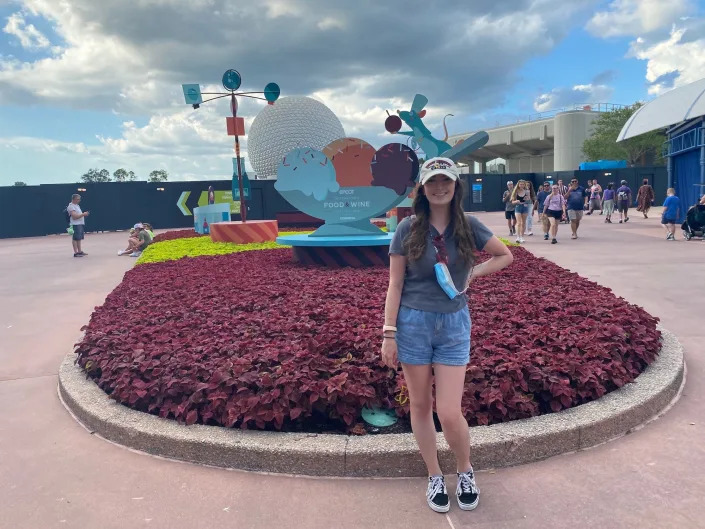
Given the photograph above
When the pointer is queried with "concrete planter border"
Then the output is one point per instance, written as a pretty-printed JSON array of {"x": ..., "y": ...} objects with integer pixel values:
[{"x": 392, "y": 455}]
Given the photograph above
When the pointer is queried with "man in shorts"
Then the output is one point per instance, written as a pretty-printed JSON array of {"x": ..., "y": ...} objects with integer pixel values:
[
  {"x": 671, "y": 213},
  {"x": 575, "y": 199},
  {"x": 509, "y": 213},
  {"x": 77, "y": 220}
]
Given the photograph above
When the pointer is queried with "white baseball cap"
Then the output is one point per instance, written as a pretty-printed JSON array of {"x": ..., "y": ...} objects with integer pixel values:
[
  {"x": 139, "y": 226},
  {"x": 438, "y": 165}
]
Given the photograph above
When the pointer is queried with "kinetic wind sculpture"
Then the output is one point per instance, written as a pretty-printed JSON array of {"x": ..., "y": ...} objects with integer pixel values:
[
  {"x": 235, "y": 125},
  {"x": 348, "y": 182}
]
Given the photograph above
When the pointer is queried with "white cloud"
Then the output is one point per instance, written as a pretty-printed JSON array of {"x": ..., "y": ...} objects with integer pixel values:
[
  {"x": 130, "y": 58},
  {"x": 44, "y": 145},
  {"x": 330, "y": 23},
  {"x": 565, "y": 97},
  {"x": 636, "y": 17},
  {"x": 673, "y": 62},
  {"x": 29, "y": 36}
]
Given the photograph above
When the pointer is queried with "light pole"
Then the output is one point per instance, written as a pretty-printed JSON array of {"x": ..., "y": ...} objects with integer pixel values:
[{"x": 235, "y": 126}]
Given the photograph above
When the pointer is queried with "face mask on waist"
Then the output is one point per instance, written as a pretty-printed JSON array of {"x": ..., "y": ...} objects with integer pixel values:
[{"x": 445, "y": 280}]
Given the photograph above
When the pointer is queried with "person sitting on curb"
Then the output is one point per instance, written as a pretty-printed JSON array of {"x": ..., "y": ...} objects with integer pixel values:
[
  {"x": 149, "y": 229},
  {"x": 137, "y": 242}
]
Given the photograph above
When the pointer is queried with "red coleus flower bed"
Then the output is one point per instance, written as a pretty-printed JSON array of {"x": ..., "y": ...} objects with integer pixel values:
[
  {"x": 253, "y": 340},
  {"x": 176, "y": 234}
]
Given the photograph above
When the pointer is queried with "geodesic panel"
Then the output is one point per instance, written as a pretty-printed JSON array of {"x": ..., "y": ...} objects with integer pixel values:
[{"x": 290, "y": 123}]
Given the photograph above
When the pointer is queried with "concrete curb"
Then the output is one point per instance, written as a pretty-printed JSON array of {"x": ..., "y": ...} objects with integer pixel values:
[{"x": 392, "y": 455}]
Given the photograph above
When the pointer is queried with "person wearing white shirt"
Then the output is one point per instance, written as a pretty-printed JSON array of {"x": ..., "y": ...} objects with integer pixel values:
[{"x": 77, "y": 219}]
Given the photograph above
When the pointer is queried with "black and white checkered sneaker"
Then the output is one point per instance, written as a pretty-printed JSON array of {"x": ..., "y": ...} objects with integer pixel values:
[
  {"x": 467, "y": 492},
  {"x": 437, "y": 494}
]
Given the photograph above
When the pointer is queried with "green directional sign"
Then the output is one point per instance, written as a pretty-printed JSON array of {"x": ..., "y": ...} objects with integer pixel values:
[
  {"x": 221, "y": 197},
  {"x": 181, "y": 203}
]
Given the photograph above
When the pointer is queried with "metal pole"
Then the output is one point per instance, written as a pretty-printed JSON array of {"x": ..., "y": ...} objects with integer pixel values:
[
  {"x": 702, "y": 156},
  {"x": 243, "y": 203}
]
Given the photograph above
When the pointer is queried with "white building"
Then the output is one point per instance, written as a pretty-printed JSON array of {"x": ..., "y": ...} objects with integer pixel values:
[{"x": 542, "y": 145}]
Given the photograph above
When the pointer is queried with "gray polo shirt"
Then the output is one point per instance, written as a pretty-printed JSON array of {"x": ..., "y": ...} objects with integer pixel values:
[
  {"x": 421, "y": 291},
  {"x": 508, "y": 206}
]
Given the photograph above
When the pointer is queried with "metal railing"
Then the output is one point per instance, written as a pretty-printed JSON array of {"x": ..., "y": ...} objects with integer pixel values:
[
  {"x": 687, "y": 141},
  {"x": 591, "y": 107}
]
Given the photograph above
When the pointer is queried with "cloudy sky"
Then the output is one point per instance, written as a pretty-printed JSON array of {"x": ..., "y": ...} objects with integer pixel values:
[{"x": 98, "y": 84}]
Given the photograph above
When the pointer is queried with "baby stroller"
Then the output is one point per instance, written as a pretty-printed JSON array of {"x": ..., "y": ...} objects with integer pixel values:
[{"x": 694, "y": 225}]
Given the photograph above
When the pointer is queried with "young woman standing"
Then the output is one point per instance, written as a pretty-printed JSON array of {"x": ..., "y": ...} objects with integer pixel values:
[
  {"x": 554, "y": 208},
  {"x": 530, "y": 209},
  {"x": 608, "y": 202},
  {"x": 521, "y": 198},
  {"x": 427, "y": 320}
]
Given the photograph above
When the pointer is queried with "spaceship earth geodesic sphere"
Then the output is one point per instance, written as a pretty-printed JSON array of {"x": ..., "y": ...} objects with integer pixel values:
[{"x": 290, "y": 123}]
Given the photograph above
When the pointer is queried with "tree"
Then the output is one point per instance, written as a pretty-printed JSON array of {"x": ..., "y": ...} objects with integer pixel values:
[
  {"x": 20, "y": 184},
  {"x": 120, "y": 175},
  {"x": 158, "y": 175},
  {"x": 602, "y": 144},
  {"x": 96, "y": 176}
]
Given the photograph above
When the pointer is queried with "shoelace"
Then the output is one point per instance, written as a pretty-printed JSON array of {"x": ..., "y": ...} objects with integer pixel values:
[
  {"x": 466, "y": 481},
  {"x": 436, "y": 486}
]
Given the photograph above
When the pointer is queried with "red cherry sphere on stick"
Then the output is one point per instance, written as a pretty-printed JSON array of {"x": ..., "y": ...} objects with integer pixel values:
[{"x": 392, "y": 124}]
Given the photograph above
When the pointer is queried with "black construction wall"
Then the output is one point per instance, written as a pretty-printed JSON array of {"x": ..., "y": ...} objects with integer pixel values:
[{"x": 31, "y": 211}]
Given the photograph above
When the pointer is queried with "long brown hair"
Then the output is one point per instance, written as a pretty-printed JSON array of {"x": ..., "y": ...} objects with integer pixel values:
[{"x": 418, "y": 236}]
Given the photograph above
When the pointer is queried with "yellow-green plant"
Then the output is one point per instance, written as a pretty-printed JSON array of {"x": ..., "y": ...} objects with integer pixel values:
[{"x": 197, "y": 246}]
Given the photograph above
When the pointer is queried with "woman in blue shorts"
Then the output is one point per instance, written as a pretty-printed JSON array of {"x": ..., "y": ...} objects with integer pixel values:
[
  {"x": 521, "y": 198},
  {"x": 427, "y": 321}
]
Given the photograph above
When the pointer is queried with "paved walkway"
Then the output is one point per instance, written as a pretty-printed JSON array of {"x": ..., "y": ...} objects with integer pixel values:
[{"x": 55, "y": 474}]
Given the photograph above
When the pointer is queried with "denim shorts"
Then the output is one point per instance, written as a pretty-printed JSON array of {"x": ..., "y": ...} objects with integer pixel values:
[
  {"x": 521, "y": 208},
  {"x": 433, "y": 337},
  {"x": 78, "y": 232}
]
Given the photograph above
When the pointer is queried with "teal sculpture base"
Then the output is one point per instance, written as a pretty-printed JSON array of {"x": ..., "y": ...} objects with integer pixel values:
[
  {"x": 336, "y": 252},
  {"x": 349, "y": 229}
]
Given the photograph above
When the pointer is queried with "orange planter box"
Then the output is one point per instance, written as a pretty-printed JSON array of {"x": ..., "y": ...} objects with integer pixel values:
[{"x": 244, "y": 232}]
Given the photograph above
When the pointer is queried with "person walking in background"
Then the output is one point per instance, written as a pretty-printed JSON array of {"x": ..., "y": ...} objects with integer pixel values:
[
  {"x": 587, "y": 195},
  {"x": 671, "y": 213},
  {"x": 608, "y": 202},
  {"x": 575, "y": 205},
  {"x": 645, "y": 198},
  {"x": 554, "y": 208},
  {"x": 521, "y": 198},
  {"x": 509, "y": 212},
  {"x": 595, "y": 198},
  {"x": 427, "y": 321},
  {"x": 624, "y": 198},
  {"x": 539, "y": 207},
  {"x": 530, "y": 208},
  {"x": 562, "y": 189},
  {"x": 77, "y": 220}
]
